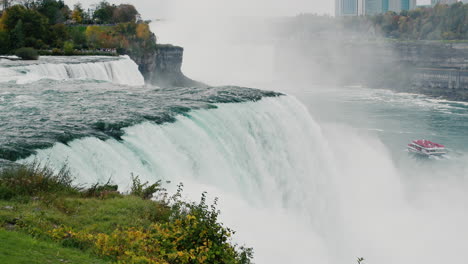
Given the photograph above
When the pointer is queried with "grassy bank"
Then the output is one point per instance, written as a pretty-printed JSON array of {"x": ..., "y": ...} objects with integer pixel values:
[
  {"x": 44, "y": 213},
  {"x": 21, "y": 248}
]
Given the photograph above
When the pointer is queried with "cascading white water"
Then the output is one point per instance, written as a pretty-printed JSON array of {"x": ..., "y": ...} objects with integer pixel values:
[
  {"x": 119, "y": 71},
  {"x": 296, "y": 191}
]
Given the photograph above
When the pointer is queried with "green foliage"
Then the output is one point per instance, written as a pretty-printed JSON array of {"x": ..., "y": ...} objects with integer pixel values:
[
  {"x": 68, "y": 48},
  {"x": 103, "y": 191},
  {"x": 104, "y": 13},
  {"x": 202, "y": 230},
  {"x": 20, "y": 248},
  {"x": 78, "y": 13},
  {"x": 41, "y": 25},
  {"x": 35, "y": 179},
  {"x": 78, "y": 36},
  {"x": 117, "y": 227},
  {"x": 4, "y": 42},
  {"x": 27, "y": 54},
  {"x": 34, "y": 23},
  {"x": 55, "y": 11},
  {"x": 441, "y": 22},
  {"x": 144, "y": 190},
  {"x": 17, "y": 35},
  {"x": 125, "y": 13},
  {"x": 58, "y": 35}
]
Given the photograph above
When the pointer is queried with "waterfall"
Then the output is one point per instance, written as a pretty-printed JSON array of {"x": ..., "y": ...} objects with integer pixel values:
[
  {"x": 295, "y": 190},
  {"x": 119, "y": 71}
]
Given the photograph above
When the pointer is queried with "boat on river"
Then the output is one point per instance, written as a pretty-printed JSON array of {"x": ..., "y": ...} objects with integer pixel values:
[{"x": 426, "y": 148}]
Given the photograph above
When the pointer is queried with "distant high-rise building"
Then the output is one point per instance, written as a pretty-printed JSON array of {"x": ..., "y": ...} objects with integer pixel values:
[
  {"x": 373, "y": 7},
  {"x": 399, "y": 5},
  {"x": 349, "y": 7},
  {"x": 447, "y": 2},
  {"x": 407, "y": 4},
  {"x": 384, "y": 6},
  {"x": 394, "y": 5}
]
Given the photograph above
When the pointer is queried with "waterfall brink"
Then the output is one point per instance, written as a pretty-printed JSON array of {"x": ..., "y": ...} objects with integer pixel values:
[
  {"x": 295, "y": 190},
  {"x": 119, "y": 71}
]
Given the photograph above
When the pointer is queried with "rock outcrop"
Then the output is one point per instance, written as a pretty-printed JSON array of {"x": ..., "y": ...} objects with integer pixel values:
[
  {"x": 437, "y": 68},
  {"x": 162, "y": 66}
]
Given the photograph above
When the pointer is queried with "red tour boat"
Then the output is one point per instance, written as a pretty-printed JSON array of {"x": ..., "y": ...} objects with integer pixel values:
[{"x": 426, "y": 148}]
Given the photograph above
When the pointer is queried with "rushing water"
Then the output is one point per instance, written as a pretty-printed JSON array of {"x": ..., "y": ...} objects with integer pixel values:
[
  {"x": 118, "y": 70},
  {"x": 322, "y": 178}
]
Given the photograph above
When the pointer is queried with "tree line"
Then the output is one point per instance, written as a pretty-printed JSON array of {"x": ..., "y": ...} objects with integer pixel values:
[
  {"x": 441, "y": 22},
  {"x": 53, "y": 25}
]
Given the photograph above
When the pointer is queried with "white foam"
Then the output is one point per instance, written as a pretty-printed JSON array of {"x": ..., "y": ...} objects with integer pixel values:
[
  {"x": 296, "y": 191},
  {"x": 120, "y": 71}
]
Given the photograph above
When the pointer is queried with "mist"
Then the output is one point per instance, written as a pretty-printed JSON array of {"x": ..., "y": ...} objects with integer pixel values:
[
  {"x": 182, "y": 9},
  {"x": 376, "y": 207},
  {"x": 279, "y": 53},
  {"x": 317, "y": 174}
]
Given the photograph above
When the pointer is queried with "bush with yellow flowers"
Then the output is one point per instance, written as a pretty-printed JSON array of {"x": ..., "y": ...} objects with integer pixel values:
[
  {"x": 142, "y": 226},
  {"x": 193, "y": 235}
]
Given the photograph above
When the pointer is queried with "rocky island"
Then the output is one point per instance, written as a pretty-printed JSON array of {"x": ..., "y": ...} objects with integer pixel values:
[{"x": 52, "y": 28}]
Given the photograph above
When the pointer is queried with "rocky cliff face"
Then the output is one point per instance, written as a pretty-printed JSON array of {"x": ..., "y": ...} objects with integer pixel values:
[
  {"x": 438, "y": 69},
  {"x": 433, "y": 54},
  {"x": 162, "y": 66},
  {"x": 433, "y": 68}
]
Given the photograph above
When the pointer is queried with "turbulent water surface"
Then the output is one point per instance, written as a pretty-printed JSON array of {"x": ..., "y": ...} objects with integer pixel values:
[{"x": 322, "y": 178}]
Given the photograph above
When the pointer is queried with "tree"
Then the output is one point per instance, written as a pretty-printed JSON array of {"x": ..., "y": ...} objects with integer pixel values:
[
  {"x": 78, "y": 37},
  {"x": 24, "y": 26},
  {"x": 125, "y": 13},
  {"x": 55, "y": 11},
  {"x": 4, "y": 42},
  {"x": 68, "y": 48},
  {"x": 104, "y": 13},
  {"x": 17, "y": 35},
  {"x": 143, "y": 31},
  {"x": 11, "y": 16},
  {"x": 57, "y": 35},
  {"x": 77, "y": 14}
]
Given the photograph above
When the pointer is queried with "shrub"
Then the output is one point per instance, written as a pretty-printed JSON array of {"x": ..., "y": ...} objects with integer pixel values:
[
  {"x": 6, "y": 193},
  {"x": 68, "y": 48},
  {"x": 144, "y": 190},
  {"x": 36, "y": 180},
  {"x": 192, "y": 236},
  {"x": 124, "y": 229},
  {"x": 27, "y": 53},
  {"x": 102, "y": 191},
  {"x": 56, "y": 52}
]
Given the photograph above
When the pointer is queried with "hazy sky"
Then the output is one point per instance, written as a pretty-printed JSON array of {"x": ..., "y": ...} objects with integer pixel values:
[{"x": 151, "y": 9}]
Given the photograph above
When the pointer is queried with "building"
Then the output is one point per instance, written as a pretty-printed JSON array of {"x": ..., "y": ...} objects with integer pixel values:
[
  {"x": 347, "y": 7},
  {"x": 447, "y": 2},
  {"x": 400, "y": 5},
  {"x": 373, "y": 7},
  {"x": 350, "y": 7},
  {"x": 408, "y": 4}
]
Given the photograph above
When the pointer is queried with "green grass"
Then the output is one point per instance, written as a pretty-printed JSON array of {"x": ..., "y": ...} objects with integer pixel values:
[
  {"x": 87, "y": 214},
  {"x": 20, "y": 248},
  {"x": 45, "y": 218}
]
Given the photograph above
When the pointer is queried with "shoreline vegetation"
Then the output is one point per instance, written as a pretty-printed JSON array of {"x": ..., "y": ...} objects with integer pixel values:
[
  {"x": 51, "y": 27},
  {"x": 43, "y": 212}
]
